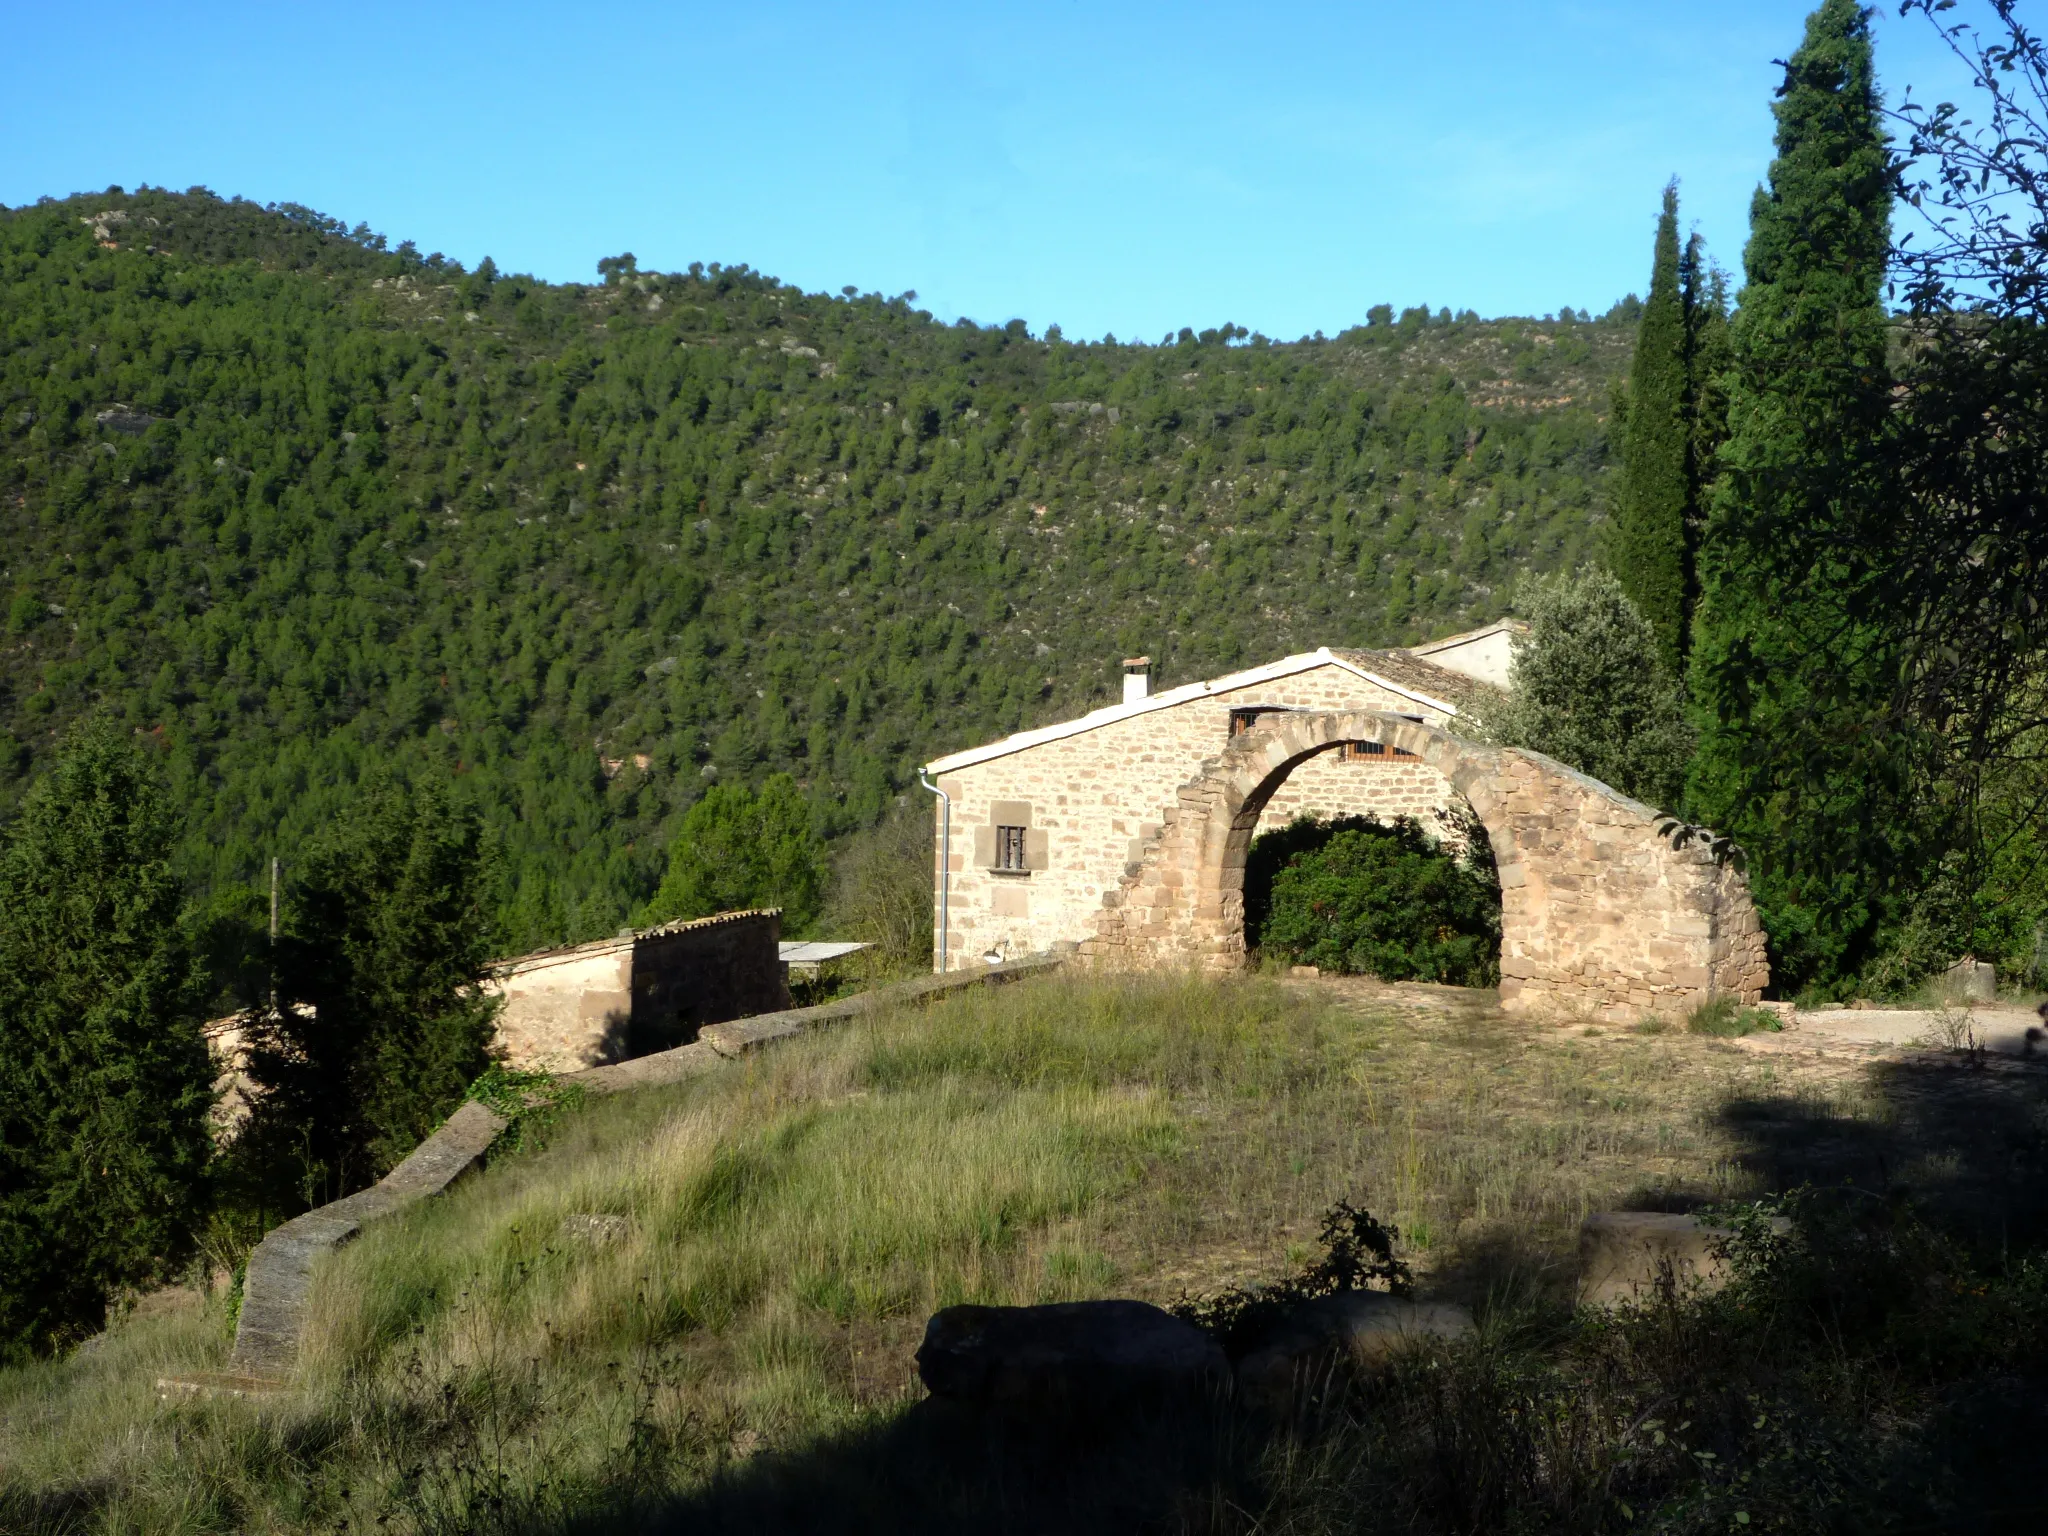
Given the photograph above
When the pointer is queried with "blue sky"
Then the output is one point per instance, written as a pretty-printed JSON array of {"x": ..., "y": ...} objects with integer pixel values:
[{"x": 1127, "y": 168}]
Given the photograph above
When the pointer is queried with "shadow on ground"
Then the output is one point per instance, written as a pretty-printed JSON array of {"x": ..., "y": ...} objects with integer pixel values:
[
  {"x": 1965, "y": 1141},
  {"x": 934, "y": 1468}
]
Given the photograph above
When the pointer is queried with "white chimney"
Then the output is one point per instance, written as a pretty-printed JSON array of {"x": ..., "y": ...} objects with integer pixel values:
[{"x": 1137, "y": 678}]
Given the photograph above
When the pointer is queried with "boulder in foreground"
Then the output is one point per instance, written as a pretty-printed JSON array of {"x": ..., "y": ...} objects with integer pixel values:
[
  {"x": 1626, "y": 1255},
  {"x": 1076, "y": 1354},
  {"x": 1363, "y": 1327}
]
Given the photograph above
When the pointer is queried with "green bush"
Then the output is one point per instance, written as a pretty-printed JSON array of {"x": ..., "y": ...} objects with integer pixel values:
[
  {"x": 882, "y": 894},
  {"x": 1360, "y": 896},
  {"x": 1591, "y": 690}
]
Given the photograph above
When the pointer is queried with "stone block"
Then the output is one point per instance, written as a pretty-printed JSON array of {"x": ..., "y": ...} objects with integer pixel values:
[
  {"x": 1971, "y": 980},
  {"x": 1626, "y": 1255},
  {"x": 1365, "y": 1327},
  {"x": 594, "y": 1230}
]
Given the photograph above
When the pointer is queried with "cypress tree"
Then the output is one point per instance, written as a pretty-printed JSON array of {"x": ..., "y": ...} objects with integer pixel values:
[
  {"x": 1649, "y": 554},
  {"x": 105, "y": 1083},
  {"x": 1708, "y": 358},
  {"x": 1792, "y": 662}
]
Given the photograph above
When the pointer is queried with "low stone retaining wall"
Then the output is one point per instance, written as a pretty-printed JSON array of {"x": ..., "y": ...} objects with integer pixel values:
[{"x": 280, "y": 1273}]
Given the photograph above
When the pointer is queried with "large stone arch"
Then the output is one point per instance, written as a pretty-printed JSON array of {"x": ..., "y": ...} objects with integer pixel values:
[{"x": 1600, "y": 913}]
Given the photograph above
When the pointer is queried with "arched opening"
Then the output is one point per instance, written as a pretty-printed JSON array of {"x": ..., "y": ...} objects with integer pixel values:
[
  {"x": 1365, "y": 860},
  {"x": 1600, "y": 911}
]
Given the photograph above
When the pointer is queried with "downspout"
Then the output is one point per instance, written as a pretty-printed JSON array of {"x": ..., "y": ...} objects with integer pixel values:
[{"x": 945, "y": 859}]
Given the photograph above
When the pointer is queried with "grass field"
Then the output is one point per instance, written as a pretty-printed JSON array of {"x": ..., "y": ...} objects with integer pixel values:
[{"x": 744, "y": 1333}]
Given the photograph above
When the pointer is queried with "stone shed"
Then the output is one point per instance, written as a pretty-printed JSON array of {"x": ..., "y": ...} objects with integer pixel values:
[{"x": 646, "y": 990}]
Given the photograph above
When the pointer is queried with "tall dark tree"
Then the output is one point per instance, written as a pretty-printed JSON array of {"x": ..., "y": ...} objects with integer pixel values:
[
  {"x": 1709, "y": 354},
  {"x": 105, "y": 1082},
  {"x": 1971, "y": 574},
  {"x": 1649, "y": 553},
  {"x": 1676, "y": 417},
  {"x": 381, "y": 1026},
  {"x": 1793, "y": 665}
]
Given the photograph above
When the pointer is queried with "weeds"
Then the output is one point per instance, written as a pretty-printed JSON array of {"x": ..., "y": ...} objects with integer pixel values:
[
  {"x": 1725, "y": 1016},
  {"x": 1358, "y": 1250},
  {"x": 530, "y": 1103},
  {"x": 1955, "y": 1030}
]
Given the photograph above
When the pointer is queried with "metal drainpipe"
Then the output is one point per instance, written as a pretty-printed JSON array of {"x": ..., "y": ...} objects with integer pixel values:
[{"x": 945, "y": 861}]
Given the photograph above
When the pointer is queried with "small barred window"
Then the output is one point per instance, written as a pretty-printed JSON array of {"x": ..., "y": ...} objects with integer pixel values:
[
  {"x": 1010, "y": 848},
  {"x": 1373, "y": 752},
  {"x": 1248, "y": 717}
]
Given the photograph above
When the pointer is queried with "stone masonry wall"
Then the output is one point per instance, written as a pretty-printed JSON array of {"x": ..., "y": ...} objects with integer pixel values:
[
  {"x": 567, "y": 1009},
  {"x": 690, "y": 974},
  {"x": 1096, "y": 796},
  {"x": 1328, "y": 785},
  {"x": 1600, "y": 914}
]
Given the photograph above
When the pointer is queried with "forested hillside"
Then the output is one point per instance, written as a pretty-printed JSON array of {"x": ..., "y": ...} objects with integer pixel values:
[{"x": 297, "y": 506}]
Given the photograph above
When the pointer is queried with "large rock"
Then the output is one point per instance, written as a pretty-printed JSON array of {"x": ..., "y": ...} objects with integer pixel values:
[
  {"x": 1626, "y": 1255},
  {"x": 1364, "y": 1327},
  {"x": 1971, "y": 980},
  {"x": 1074, "y": 1354}
]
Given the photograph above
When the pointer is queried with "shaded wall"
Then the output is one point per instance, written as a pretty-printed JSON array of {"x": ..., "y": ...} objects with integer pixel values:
[
  {"x": 689, "y": 974},
  {"x": 568, "y": 1009}
]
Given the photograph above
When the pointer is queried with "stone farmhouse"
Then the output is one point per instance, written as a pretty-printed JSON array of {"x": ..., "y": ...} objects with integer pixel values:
[
  {"x": 1122, "y": 834},
  {"x": 1044, "y": 822}
]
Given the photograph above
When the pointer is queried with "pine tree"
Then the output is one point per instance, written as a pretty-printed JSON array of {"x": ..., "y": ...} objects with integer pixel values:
[
  {"x": 386, "y": 935},
  {"x": 1792, "y": 663},
  {"x": 738, "y": 849},
  {"x": 105, "y": 1083},
  {"x": 1649, "y": 553}
]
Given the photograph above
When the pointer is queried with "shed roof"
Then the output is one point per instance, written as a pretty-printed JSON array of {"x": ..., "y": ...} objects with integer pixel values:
[
  {"x": 624, "y": 939},
  {"x": 815, "y": 951}
]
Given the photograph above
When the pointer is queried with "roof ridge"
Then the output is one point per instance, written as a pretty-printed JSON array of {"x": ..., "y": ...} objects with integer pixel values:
[{"x": 1287, "y": 666}]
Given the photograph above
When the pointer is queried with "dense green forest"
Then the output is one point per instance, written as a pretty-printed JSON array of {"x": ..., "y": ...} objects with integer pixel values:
[{"x": 296, "y": 506}]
